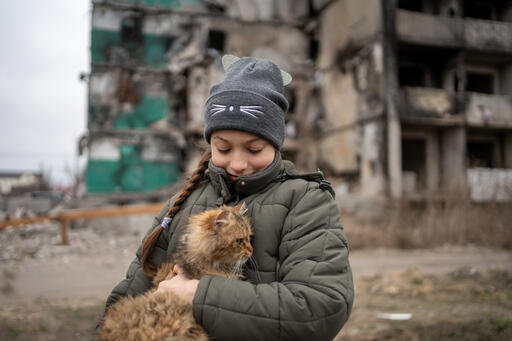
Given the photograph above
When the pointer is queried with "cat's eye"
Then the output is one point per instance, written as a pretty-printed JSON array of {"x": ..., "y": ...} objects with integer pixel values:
[{"x": 240, "y": 241}]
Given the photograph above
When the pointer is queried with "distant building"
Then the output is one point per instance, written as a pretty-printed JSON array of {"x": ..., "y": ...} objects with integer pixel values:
[
  {"x": 20, "y": 182},
  {"x": 397, "y": 98},
  {"x": 152, "y": 63}
]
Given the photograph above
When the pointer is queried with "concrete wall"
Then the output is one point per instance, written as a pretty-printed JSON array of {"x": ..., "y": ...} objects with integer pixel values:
[
  {"x": 347, "y": 24},
  {"x": 489, "y": 110},
  {"x": 339, "y": 148},
  {"x": 413, "y": 27},
  {"x": 508, "y": 150},
  {"x": 427, "y": 102},
  {"x": 488, "y": 35},
  {"x": 354, "y": 107},
  {"x": 506, "y": 79},
  {"x": 453, "y": 158},
  {"x": 285, "y": 11},
  {"x": 432, "y": 155},
  {"x": 487, "y": 184},
  {"x": 285, "y": 45},
  {"x": 434, "y": 30},
  {"x": 373, "y": 182}
]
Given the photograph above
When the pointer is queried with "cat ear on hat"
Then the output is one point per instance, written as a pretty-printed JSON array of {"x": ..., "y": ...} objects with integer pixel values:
[{"x": 229, "y": 59}]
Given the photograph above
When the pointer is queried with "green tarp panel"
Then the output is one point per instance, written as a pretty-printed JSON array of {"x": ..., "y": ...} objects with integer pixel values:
[
  {"x": 155, "y": 48},
  {"x": 159, "y": 174},
  {"x": 129, "y": 174},
  {"x": 101, "y": 176},
  {"x": 131, "y": 179},
  {"x": 149, "y": 110},
  {"x": 101, "y": 40},
  {"x": 151, "y": 51},
  {"x": 130, "y": 155}
]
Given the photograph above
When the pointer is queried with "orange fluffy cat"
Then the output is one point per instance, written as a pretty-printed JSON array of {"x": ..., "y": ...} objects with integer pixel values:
[{"x": 215, "y": 242}]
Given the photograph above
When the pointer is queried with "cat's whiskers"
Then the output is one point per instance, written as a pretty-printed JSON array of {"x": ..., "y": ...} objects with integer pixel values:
[
  {"x": 252, "y": 260},
  {"x": 236, "y": 268}
]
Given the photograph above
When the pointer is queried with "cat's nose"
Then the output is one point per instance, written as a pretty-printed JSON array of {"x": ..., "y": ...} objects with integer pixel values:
[{"x": 249, "y": 248}]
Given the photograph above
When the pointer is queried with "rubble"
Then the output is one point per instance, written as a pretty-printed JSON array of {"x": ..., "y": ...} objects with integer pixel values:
[{"x": 42, "y": 241}]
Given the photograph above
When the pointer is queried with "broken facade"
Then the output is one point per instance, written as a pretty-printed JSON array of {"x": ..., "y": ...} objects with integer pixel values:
[
  {"x": 395, "y": 97},
  {"x": 430, "y": 93},
  {"x": 152, "y": 64}
]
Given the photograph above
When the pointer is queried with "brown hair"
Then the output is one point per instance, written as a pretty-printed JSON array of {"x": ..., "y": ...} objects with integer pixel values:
[{"x": 191, "y": 185}]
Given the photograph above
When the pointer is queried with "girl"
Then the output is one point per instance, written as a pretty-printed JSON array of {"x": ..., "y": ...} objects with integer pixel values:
[{"x": 299, "y": 286}]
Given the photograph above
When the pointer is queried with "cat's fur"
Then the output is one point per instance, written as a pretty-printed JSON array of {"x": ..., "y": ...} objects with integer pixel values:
[{"x": 215, "y": 242}]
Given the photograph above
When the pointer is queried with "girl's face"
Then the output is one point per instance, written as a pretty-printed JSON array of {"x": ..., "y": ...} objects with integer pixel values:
[{"x": 240, "y": 153}]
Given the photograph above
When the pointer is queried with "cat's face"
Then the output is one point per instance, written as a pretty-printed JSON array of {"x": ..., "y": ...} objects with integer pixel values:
[
  {"x": 233, "y": 234},
  {"x": 223, "y": 234}
]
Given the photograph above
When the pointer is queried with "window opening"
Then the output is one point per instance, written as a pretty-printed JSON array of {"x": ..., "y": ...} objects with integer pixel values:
[
  {"x": 216, "y": 40},
  {"x": 413, "y": 163},
  {"x": 480, "y": 82}
]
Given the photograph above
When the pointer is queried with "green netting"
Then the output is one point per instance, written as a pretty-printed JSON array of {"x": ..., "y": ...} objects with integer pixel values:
[
  {"x": 155, "y": 48},
  {"x": 131, "y": 179},
  {"x": 129, "y": 175},
  {"x": 124, "y": 121},
  {"x": 101, "y": 176},
  {"x": 101, "y": 40},
  {"x": 150, "y": 109},
  {"x": 151, "y": 51},
  {"x": 159, "y": 174},
  {"x": 130, "y": 155}
]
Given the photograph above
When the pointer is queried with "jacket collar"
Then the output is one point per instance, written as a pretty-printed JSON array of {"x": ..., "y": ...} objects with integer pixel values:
[{"x": 245, "y": 184}]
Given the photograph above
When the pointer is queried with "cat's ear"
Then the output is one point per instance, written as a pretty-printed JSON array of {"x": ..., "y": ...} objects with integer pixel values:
[
  {"x": 241, "y": 208},
  {"x": 221, "y": 219}
]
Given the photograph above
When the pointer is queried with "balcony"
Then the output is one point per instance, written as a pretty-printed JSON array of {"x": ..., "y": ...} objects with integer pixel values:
[
  {"x": 490, "y": 184},
  {"x": 427, "y": 29},
  {"x": 442, "y": 31},
  {"x": 418, "y": 102},
  {"x": 488, "y": 35},
  {"x": 484, "y": 110}
]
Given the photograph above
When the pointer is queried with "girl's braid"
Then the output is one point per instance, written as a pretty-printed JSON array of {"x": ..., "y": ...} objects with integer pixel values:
[{"x": 191, "y": 185}]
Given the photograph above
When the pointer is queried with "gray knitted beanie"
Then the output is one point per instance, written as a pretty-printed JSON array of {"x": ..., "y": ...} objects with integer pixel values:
[{"x": 249, "y": 97}]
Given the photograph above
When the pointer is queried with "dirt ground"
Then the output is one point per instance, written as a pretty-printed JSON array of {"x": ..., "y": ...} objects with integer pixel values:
[{"x": 54, "y": 292}]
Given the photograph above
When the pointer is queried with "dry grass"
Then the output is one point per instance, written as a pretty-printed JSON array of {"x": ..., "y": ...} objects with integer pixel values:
[{"x": 430, "y": 224}]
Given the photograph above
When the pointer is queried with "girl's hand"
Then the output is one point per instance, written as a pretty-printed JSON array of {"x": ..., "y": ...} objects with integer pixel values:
[{"x": 179, "y": 285}]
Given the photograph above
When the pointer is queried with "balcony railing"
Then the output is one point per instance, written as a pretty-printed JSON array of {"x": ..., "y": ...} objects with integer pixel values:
[
  {"x": 490, "y": 184},
  {"x": 417, "y": 102},
  {"x": 436, "y": 30},
  {"x": 421, "y": 28},
  {"x": 488, "y": 35},
  {"x": 488, "y": 110}
]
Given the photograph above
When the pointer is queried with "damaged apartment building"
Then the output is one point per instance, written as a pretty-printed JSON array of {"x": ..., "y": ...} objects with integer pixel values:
[{"x": 394, "y": 98}]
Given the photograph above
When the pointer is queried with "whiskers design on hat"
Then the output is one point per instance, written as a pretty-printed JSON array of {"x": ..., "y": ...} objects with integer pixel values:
[
  {"x": 251, "y": 110},
  {"x": 249, "y": 97},
  {"x": 217, "y": 108}
]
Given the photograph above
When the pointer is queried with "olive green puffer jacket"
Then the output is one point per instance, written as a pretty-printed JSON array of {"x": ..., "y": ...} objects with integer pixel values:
[{"x": 300, "y": 287}]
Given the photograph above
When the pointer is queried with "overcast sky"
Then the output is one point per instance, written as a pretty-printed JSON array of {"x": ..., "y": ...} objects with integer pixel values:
[{"x": 45, "y": 46}]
